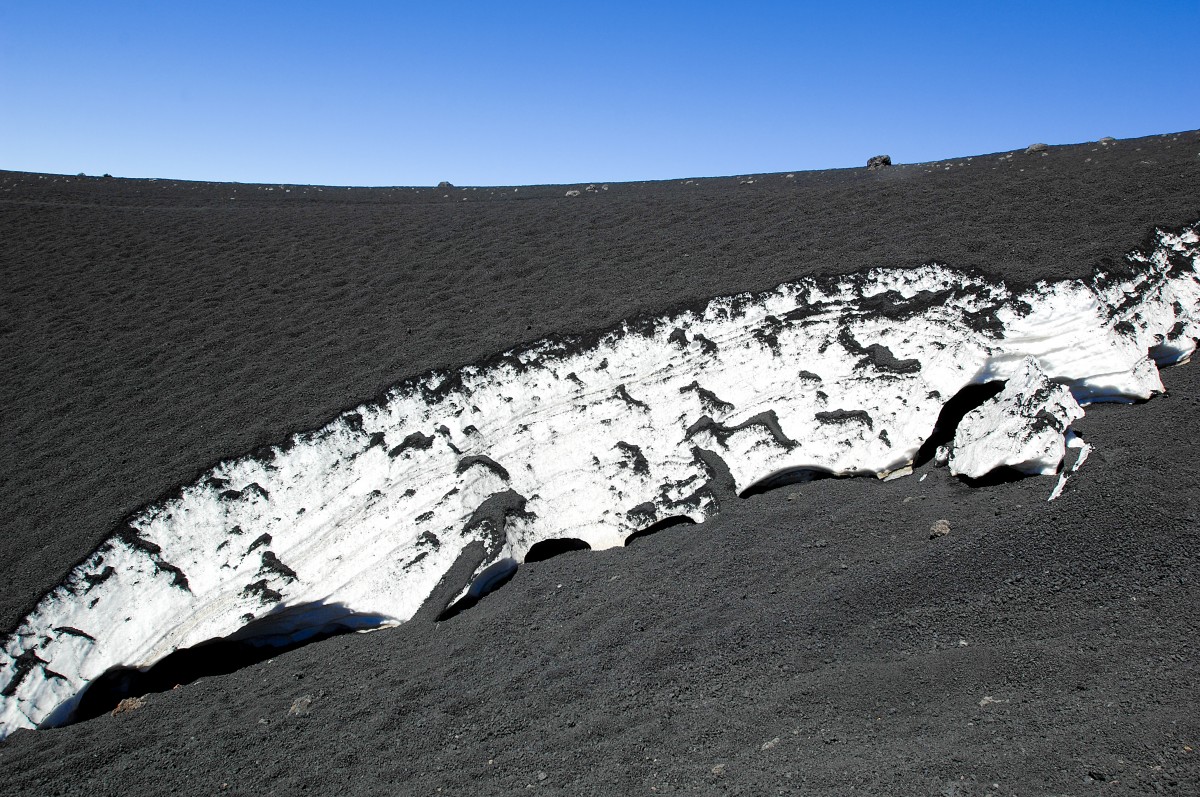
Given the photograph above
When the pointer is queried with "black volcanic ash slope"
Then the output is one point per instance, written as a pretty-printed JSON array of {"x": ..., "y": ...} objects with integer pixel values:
[
  {"x": 808, "y": 639},
  {"x": 153, "y": 328}
]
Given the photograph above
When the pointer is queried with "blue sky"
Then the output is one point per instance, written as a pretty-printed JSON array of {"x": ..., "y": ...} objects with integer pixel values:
[{"x": 502, "y": 93}]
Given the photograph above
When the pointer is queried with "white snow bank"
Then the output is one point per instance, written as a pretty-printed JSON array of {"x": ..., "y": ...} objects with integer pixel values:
[
  {"x": 594, "y": 440},
  {"x": 1021, "y": 428}
]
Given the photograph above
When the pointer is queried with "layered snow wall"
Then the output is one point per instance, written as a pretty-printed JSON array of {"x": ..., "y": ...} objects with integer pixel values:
[{"x": 355, "y": 524}]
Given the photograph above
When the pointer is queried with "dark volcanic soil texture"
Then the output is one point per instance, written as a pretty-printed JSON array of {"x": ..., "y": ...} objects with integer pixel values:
[{"x": 809, "y": 640}]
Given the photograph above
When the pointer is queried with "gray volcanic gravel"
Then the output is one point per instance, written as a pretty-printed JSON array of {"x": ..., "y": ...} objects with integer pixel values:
[{"x": 810, "y": 639}]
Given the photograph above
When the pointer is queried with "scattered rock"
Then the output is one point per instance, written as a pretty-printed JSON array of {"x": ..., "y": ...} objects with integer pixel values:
[
  {"x": 129, "y": 704},
  {"x": 572, "y": 192},
  {"x": 773, "y": 743},
  {"x": 1107, "y": 140},
  {"x": 542, "y": 776},
  {"x": 718, "y": 771},
  {"x": 301, "y": 706},
  {"x": 1035, "y": 148},
  {"x": 591, "y": 187},
  {"x": 879, "y": 162},
  {"x": 445, "y": 184},
  {"x": 939, "y": 529}
]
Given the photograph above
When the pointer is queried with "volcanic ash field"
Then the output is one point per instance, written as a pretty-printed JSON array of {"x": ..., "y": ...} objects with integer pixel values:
[{"x": 585, "y": 442}]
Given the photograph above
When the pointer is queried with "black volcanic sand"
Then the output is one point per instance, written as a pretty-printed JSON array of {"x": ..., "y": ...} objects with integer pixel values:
[{"x": 811, "y": 639}]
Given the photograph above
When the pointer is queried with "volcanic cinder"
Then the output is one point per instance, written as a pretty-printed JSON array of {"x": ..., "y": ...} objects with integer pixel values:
[
  {"x": 355, "y": 524},
  {"x": 918, "y": 627}
]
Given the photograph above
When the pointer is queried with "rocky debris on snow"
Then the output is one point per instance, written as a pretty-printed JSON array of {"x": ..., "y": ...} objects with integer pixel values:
[{"x": 879, "y": 162}]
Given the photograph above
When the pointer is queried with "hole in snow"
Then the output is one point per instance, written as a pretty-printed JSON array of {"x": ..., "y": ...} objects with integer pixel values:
[
  {"x": 262, "y": 639},
  {"x": 491, "y": 579},
  {"x": 952, "y": 414},
  {"x": 995, "y": 477},
  {"x": 654, "y": 528},
  {"x": 785, "y": 477},
  {"x": 547, "y": 549},
  {"x": 1171, "y": 352}
]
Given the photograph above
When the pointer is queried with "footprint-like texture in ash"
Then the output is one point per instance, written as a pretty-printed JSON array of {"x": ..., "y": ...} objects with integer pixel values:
[{"x": 593, "y": 439}]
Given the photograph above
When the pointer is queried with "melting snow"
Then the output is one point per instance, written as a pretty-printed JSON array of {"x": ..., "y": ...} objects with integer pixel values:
[
  {"x": 1021, "y": 428},
  {"x": 595, "y": 439},
  {"x": 1073, "y": 441}
]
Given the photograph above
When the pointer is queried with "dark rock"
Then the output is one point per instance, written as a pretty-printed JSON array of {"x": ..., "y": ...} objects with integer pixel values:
[
  {"x": 129, "y": 704},
  {"x": 1035, "y": 148},
  {"x": 879, "y": 162},
  {"x": 301, "y": 706}
]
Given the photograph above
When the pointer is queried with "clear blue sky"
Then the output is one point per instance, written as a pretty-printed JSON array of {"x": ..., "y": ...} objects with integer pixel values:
[{"x": 510, "y": 92}]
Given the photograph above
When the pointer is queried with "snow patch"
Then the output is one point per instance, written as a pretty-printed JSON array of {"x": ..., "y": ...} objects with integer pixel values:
[
  {"x": 1076, "y": 442},
  {"x": 595, "y": 440},
  {"x": 1021, "y": 428}
]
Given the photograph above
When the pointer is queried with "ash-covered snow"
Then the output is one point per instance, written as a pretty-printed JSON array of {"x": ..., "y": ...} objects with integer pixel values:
[{"x": 356, "y": 523}]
